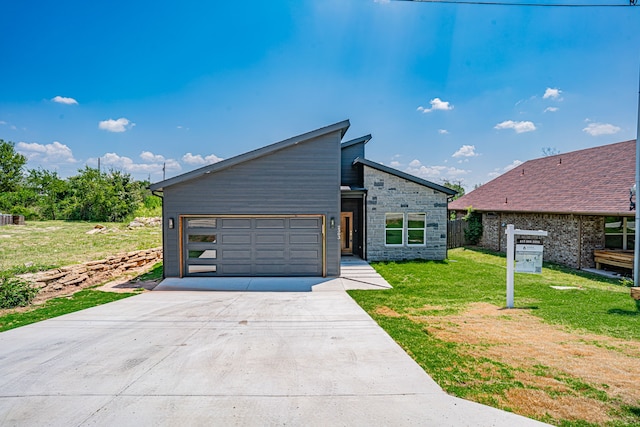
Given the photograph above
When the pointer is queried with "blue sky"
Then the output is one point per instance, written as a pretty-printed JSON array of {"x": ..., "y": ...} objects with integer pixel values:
[{"x": 449, "y": 92}]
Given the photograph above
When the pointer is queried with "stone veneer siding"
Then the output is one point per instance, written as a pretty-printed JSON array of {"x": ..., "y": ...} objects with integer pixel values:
[
  {"x": 571, "y": 240},
  {"x": 390, "y": 194}
]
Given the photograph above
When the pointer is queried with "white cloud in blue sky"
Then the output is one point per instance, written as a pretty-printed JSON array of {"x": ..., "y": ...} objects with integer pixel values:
[
  {"x": 552, "y": 93},
  {"x": 46, "y": 153},
  {"x": 598, "y": 129},
  {"x": 466, "y": 151},
  {"x": 126, "y": 164},
  {"x": 519, "y": 127},
  {"x": 119, "y": 125},
  {"x": 198, "y": 160},
  {"x": 64, "y": 100},
  {"x": 436, "y": 105},
  {"x": 499, "y": 171}
]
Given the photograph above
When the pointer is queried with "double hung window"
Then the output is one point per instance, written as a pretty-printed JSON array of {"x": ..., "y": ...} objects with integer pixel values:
[{"x": 405, "y": 229}]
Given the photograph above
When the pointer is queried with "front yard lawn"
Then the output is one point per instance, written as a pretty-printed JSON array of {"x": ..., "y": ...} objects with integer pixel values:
[{"x": 566, "y": 356}]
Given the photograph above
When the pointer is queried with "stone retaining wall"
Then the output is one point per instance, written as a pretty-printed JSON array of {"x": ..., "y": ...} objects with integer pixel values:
[{"x": 80, "y": 276}]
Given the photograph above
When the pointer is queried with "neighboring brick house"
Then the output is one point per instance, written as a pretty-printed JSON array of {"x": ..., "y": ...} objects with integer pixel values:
[
  {"x": 293, "y": 208},
  {"x": 581, "y": 198}
]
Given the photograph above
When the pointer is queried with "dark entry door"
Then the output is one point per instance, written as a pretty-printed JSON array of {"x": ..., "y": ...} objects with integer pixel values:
[{"x": 346, "y": 233}]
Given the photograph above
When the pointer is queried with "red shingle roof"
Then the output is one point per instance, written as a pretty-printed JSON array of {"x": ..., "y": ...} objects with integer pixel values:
[{"x": 591, "y": 181}]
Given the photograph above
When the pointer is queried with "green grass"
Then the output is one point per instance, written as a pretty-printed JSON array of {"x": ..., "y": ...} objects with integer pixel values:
[
  {"x": 154, "y": 274},
  {"x": 59, "y": 306},
  {"x": 429, "y": 288},
  {"x": 40, "y": 245},
  {"x": 601, "y": 306}
]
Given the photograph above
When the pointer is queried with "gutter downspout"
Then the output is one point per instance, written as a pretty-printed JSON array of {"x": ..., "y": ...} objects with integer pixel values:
[{"x": 161, "y": 195}]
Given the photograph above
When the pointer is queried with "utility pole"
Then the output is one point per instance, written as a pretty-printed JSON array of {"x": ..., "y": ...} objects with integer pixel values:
[{"x": 636, "y": 243}]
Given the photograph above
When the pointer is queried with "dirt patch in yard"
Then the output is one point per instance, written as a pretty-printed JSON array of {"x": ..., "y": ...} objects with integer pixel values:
[{"x": 565, "y": 374}]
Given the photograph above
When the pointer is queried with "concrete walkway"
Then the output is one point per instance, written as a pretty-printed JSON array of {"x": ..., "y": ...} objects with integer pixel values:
[
  {"x": 355, "y": 274},
  {"x": 222, "y": 358}
]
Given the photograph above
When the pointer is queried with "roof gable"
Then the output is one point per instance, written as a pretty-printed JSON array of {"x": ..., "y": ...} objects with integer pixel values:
[
  {"x": 590, "y": 181},
  {"x": 252, "y": 155},
  {"x": 406, "y": 176},
  {"x": 361, "y": 140}
]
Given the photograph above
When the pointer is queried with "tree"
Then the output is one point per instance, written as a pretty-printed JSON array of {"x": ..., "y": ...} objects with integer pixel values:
[
  {"x": 550, "y": 151},
  {"x": 50, "y": 191},
  {"x": 11, "y": 164},
  {"x": 99, "y": 196},
  {"x": 455, "y": 186}
]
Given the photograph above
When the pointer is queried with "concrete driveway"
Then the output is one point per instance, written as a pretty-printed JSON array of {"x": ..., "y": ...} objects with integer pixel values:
[{"x": 222, "y": 358}]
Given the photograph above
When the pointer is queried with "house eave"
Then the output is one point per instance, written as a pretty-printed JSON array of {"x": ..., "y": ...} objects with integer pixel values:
[
  {"x": 549, "y": 212},
  {"x": 406, "y": 176}
]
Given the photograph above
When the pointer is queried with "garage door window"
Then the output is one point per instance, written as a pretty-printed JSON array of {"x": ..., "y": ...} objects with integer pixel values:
[
  {"x": 203, "y": 254},
  {"x": 202, "y": 223},
  {"x": 202, "y": 238}
]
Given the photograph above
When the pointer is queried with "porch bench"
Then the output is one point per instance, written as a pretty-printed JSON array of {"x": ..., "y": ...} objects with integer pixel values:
[{"x": 622, "y": 259}]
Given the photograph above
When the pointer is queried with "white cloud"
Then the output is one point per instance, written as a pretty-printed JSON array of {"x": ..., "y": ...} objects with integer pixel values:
[
  {"x": 46, "y": 153},
  {"x": 12, "y": 127},
  {"x": 552, "y": 93},
  {"x": 434, "y": 172},
  {"x": 197, "y": 159},
  {"x": 119, "y": 125},
  {"x": 466, "y": 151},
  {"x": 148, "y": 156},
  {"x": 519, "y": 127},
  {"x": 64, "y": 100},
  {"x": 597, "y": 129},
  {"x": 126, "y": 164},
  {"x": 551, "y": 109},
  {"x": 394, "y": 164},
  {"x": 436, "y": 104},
  {"x": 500, "y": 171},
  {"x": 443, "y": 131}
]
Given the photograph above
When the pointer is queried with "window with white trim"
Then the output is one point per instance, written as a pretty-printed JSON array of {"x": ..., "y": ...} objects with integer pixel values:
[
  {"x": 405, "y": 229},
  {"x": 416, "y": 229},
  {"x": 394, "y": 229}
]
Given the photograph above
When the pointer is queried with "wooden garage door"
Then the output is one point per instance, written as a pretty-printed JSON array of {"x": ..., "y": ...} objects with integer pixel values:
[{"x": 253, "y": 246}]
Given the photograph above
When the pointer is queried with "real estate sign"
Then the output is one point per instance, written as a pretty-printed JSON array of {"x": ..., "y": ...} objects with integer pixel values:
[{"x": 529, "y": 257}]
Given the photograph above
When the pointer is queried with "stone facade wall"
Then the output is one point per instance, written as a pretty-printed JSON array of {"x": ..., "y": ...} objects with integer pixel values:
[
  {"x": 571, "y": 240},
  {"x": 80, "y": 276},
  {"x": 390, "y": 194}
]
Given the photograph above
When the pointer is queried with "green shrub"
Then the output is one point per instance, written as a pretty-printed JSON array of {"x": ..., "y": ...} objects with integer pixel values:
[
  {"x": 473, "y": 232},
  {"x": 15, "y": 292}
]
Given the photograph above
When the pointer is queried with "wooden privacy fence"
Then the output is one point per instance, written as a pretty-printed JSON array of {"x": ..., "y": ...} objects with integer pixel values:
[
  {"x": 6, "y": 219},
  {"x": 455, "y": 233}
]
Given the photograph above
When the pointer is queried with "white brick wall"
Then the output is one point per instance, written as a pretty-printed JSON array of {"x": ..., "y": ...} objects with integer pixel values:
[{"x": 388, "y": 193}]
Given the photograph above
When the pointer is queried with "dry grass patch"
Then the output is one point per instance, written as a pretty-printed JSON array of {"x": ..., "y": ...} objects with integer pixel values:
[{"x": 565, "y": 374}]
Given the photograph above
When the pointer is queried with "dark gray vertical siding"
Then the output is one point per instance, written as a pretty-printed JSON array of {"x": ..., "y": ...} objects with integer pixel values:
[
  {"x": 351, "y": 175},
  {"x": 301, "y": 179}
]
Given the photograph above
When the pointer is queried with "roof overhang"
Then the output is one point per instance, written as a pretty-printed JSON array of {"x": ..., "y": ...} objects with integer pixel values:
[{"x": 406, "y": 176}]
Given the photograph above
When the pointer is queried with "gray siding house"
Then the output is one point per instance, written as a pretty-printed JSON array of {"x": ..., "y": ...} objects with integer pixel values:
[{"x": 293, "y": 208}]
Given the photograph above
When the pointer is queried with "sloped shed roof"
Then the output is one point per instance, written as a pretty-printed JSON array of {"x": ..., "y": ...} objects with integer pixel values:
[
  {"x": 590, "y": 181},
  {"x": 406, "y": 176},
  {"x": 251, "y": 155}
]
